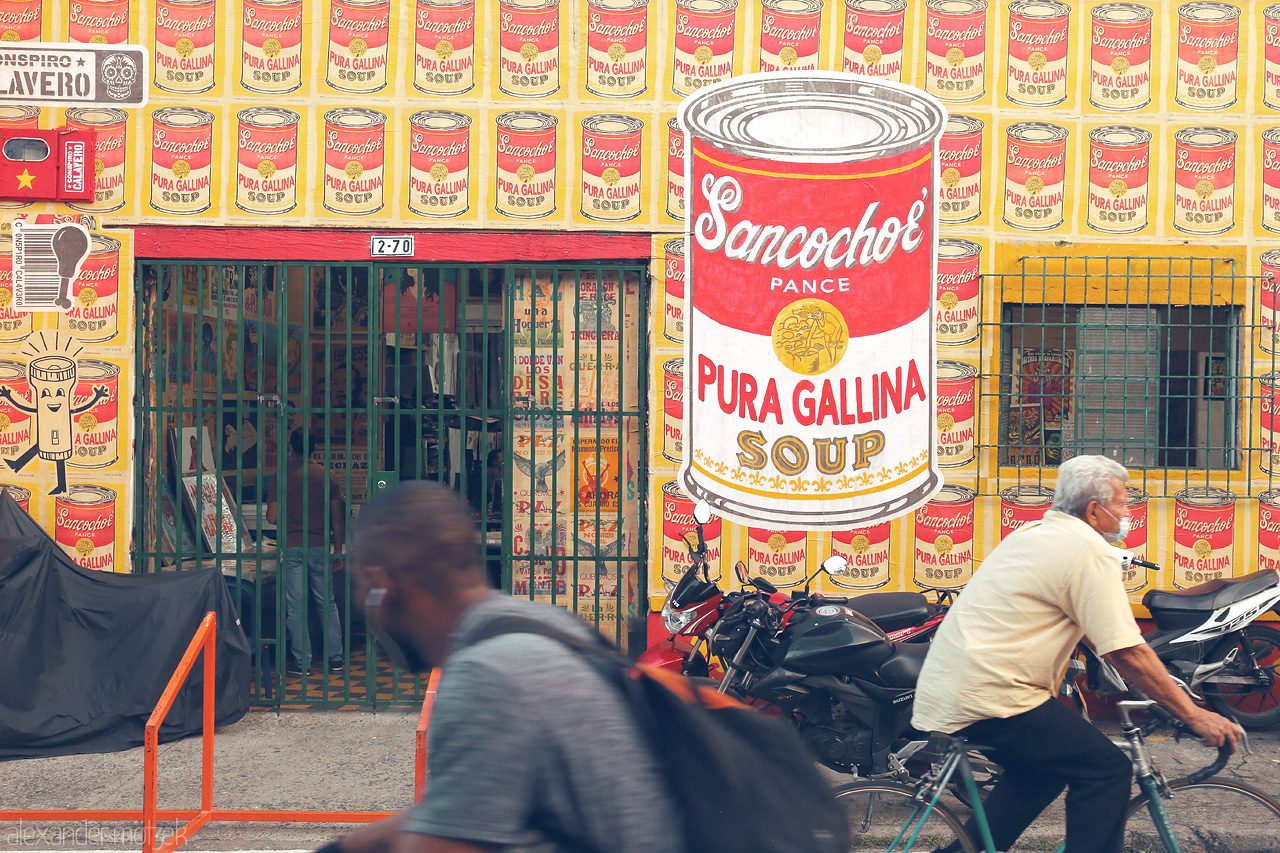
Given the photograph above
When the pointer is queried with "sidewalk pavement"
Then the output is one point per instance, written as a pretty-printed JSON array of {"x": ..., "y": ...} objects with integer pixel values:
[{"x": 342, "y": 761}]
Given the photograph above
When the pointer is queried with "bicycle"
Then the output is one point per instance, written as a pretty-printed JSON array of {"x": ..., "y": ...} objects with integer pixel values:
[{"x": 1209, "y": 815}]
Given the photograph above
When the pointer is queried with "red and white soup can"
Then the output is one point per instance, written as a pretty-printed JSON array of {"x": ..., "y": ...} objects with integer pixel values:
[
  {"x": 944, "y": 539},
  {"x": 110, "y": 147},
  {"x": 439, "y": 163},
  {"x": 84, "y": 526},
  {"x": 1038, "y": 49},
  {"x": 526, "y": 164},
  {"x": 15, "y": 424},
  {"x": 779, "y": 556},
  {"x": 98, "y": 21},
  {"x": 790, "y": 34},
  {"x": 1268, "y": 530},
  {"x": 955, "y": 50},
  {"x": 1269, "y": 420},
  {"x": 1135, "y": 577},
  {"x": 1119, "y": 178},
  {"x": 677, "y": 522},
  {"x": 673, "y": 290},
  {"x": 185, "y": 55},
  {"x": 673, "y": 410},
  {"x": 1271, "y": 179},
  {"x": 529, "y": 48},
  {"x": 1204, "y": 535},
  {"x": 675, "y": 169},
  {"x": 16, "y": 327},
  {"x": 867, "y": 550},
  {"x": 705, "y": 40},
  {"x": 957, "y": 413},
  {"x": 21, "y": 20},
  {"x": 1269, "y": 274},
  {"x": 1208, "y": 55},
  {"x": 20, "y": 494},
  {"x": 1021, "y": 505},
  {"x": 18, "y": 117},
  {"x": 95, "y": 432},
  {"x": 267, "y": 160},
  {"x": 359, "y": 39},
  {"x": 873, "y": 37},
  {"x": 94, "y": 317},
  {"x": 611, "y": 162},
  {"x": 617, "y": 48},
  {"x": 1035, "y": 175},
  {"x": 181, "y": 160},
  {"x": 960, "y": 159},
  {"x": 1120, "y": 56},
  {"x": 1204, "y": 178},
  {"x": 271, "y": 46},
  {"x": 959, "y": 289},
  {"x": 354, "y": 160},
  {"x": 445, "y": 47},
  {"x": 1271, "y": 56}
]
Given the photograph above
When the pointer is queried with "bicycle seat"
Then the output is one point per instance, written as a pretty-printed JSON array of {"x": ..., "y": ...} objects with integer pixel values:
[
  {"x": 902, "y": 667},
  {"x": 1212, "y": 595},
  {"x": 892, "y": 611}
]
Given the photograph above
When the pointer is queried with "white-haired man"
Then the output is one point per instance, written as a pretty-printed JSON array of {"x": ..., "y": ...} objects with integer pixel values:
[{"x": 993, "y": 668}]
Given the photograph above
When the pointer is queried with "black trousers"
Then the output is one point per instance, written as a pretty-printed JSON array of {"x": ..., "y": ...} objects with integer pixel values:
[{"x": 1041, "y": 752}]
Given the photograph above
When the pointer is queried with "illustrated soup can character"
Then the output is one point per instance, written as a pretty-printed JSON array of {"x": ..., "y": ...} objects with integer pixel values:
[
  {"x": 1204, "y": 178},
  {"x": 84, "y": 526},
  {"x": 1271, "y": 179},
  {"x": 611, "y": 156},
  {"x": 673, "y": 410},
  {"x": 678, "y": 522},
  {"x": 873, "y": 36},
  {"x": 705, "y": 40},
  {"x": 529, "y": 47},
  {"x": 1035, "y": 175},
  {"x": 1119, "y": 169},
  {"x": 359, "y": 35},
  {"x": 1268, "y": 530},
  {"x": 944, "y": 539},
  {"x": 779, "y": 556},
  {"x": 959, "y": 287},
  {"x": 1271, "y": 56},
  {"x": 1120, "y": 56},
  {"x": 94, "y": 317},
  {"x": 1269, "y": 263},
  {"x": 1208, "y": 51},
  {"x": 20, "y": 494},
  {"x": 1021, "y": 505},
  {"x": 824, "y": 387},
  {"x": 790, "y": 34},
  {"x": 867, "y": 550},
  {"x": 267, "y": 160},
  {"x": 1204, "y": 535},
  {"x": 439, "y": 163},
  {"x": 957, "y": 412},
  {"x": 617, "y": 48},
  {"x": 960, "y": 156},
  {"x": 185, "y": 46},
  {"x": 14, "y": 326},
  {"x": 1136, "y": 578},
  {"x": 18, "y": 117},
  {"x": 21, "y": 20},
  {"x": 94, "y": 433},
  {"x": 445, "y": 47},
  {"x": 1269, "y": 422},
  {"x": 354, "y": 160},
  {"x": 1038, "y": 37},
  {"x": 98, "y": 21},
  {"x": 675, "y": 170},
  {"x": 271, "y": 46},
  {"x": 955, "y": 50},
  {"x": 181, "y": 160},
  {"x": 15, "y": 423},
  {"x": 526, "y": 164},
  {"x": 110, "y": 146},
  {"x": 673, "y": 285}
]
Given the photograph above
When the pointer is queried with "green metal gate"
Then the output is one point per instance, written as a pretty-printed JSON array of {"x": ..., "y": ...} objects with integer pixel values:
[{"x": 519, "y": 387}]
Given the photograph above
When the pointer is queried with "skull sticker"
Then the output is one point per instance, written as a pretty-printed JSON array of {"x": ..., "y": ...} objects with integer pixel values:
[{"x": 119, "y": 71}]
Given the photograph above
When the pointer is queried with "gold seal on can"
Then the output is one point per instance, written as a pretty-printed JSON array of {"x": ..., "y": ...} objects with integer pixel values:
[
  {"x": 943, "y": 544},
  {"x": 1202, "y": 548},
  {"x": 860, "y": 544},
  {"x": 810, "y": 336}
]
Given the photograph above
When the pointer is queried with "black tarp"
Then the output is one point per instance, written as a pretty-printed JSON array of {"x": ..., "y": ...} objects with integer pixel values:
[{"x": 85, "y": 655}]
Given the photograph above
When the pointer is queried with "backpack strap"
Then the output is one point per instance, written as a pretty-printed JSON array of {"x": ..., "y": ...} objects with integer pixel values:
[{"x": 595, "y": 646}]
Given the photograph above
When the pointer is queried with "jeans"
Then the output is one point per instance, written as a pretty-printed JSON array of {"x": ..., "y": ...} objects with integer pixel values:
[{"x": 299, "y": 574}]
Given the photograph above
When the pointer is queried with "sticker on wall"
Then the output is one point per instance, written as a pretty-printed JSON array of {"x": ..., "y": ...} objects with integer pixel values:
[
  {"x": 1120, "y": 57},
  {"x": 955, "y": 50},
  {"x": 874, "y": 32}
]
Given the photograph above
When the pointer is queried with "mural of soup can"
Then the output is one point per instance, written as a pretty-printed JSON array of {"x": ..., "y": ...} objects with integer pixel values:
[
  {"x": 960, "y": 159},
  {"x": 673, "y": 410},
  {"x": 959, "y": 288},
  {"x": 439, "y": 163},
  {"x": 14, "y": 327},
  {"x": 1038, "y": 41},
  {"x": 1120, "y": 57},
  {"x": 1135, "y": 577},
  {"x": 21, "y": 20},
  {"x": 673, "y": 285},
  {"x": 1269, "y": 262},
  {"x": 1271, "y": 56},
  {"x": 1035, "y": 175},
  {"x": 1204, "y": 180},
  {"x": 955, "y": 50},
  {"x": 1268, "y": 530},
  {"x": 1268, "y": 421},
  {"x": 617, "y": 48},
  {"x": 267, "y": 160},
  {"x": 84, "y": 526},
  {"x": 20, "y": 494},
  {"x": 271, "y": 46},
  {"x": 94, "y": 317},
  {"x": 1204, "y": 536},
  {"x": 677, "y": 520},
  {"x": 779, "y": 556},
  {"x": 944, "y": 539},
  {"x": 15, "y": 424},
  {"x": 1119, "y": 166},
  {"x": 110, "y": 145},
  {"x": 705, "y": 38},
  {"x": 526, "y": 164},
  {"x": 98, "y": 21},
  {"x": 445, "y": 47},
  {"x": 790, "y": 34},
  {"x": 873, "y": 36},
  {"x": 185, "y": 51},
  {"x": 867, "y": 550},
  {"x": 611, "y": 158},
  {"x": 354, "y": 160},
  {"x": 94, "y": 436},
  {"x": 1271, "y": 179},
  {"x": 675, "y": 170},
  {"x": 821, "y": 381},
  {"x": 1021, "y": 505},
  {"x": 957, "y": 411},
  {"x": 529, "y": 41},
  {"x": 181, "y": 160},
  {"x": 1208, "y": 50},
  {"x": 359, "y": 35}
]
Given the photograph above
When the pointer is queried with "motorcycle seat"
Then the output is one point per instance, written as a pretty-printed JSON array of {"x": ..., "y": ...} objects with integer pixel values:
[
  {"x": 902, "y": 668},
  {"x": 1211, "y": 595},
  {"x": 892, "y": 611}
]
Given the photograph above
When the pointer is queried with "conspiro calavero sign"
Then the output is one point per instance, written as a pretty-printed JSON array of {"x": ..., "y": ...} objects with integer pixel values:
[{"x": 61, "y": 75}]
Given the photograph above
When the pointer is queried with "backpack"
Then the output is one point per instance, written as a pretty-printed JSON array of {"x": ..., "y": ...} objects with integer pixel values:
[{"x": 744, "y": 782}]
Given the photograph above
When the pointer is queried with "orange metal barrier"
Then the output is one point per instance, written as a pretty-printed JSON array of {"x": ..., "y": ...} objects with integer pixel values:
[{"x": 420, "y": 737}]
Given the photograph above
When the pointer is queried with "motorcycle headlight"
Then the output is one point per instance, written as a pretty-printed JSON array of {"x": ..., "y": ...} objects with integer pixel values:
[{"x": 676, "y": 620}]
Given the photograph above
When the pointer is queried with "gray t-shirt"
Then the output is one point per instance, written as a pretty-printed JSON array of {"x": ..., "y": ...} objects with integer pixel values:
[{"x": 529, "y": 745}]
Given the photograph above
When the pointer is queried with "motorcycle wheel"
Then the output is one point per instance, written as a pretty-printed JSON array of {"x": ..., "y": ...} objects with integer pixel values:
[{"x": 1256, "y": 706}]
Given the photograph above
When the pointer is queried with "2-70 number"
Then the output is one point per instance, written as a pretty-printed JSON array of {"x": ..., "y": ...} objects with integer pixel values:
[{"x": 391, "y": 247}]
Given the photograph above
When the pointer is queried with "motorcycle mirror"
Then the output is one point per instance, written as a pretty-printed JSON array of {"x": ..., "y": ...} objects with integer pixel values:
[
  {"x": 835, "y": 565},
  {"x": 702, "y": 512},
  {"x": 740, "y": 569},
  {"x": 1125, "y": 558}
]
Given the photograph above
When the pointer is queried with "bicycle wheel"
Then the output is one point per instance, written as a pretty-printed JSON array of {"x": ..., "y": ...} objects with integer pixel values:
[
  {"x": 1255, "y": 705},
  {"x": 1213, "y": 816},
  {"x": 878, "y": 812}
]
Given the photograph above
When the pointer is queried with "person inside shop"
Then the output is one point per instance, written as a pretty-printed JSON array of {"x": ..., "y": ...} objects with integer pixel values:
[{"x": 310, "y": 529}]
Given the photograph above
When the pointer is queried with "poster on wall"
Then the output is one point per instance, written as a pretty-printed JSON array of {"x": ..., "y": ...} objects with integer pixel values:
[{"x": 1044, "y": 385}]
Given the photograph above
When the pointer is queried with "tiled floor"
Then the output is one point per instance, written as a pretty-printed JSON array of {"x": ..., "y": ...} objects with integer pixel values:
[{"x": 345, "y": 690}]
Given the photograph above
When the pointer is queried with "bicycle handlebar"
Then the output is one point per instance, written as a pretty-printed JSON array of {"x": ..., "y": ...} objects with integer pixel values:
[{"x": 1224, "y": 755}]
